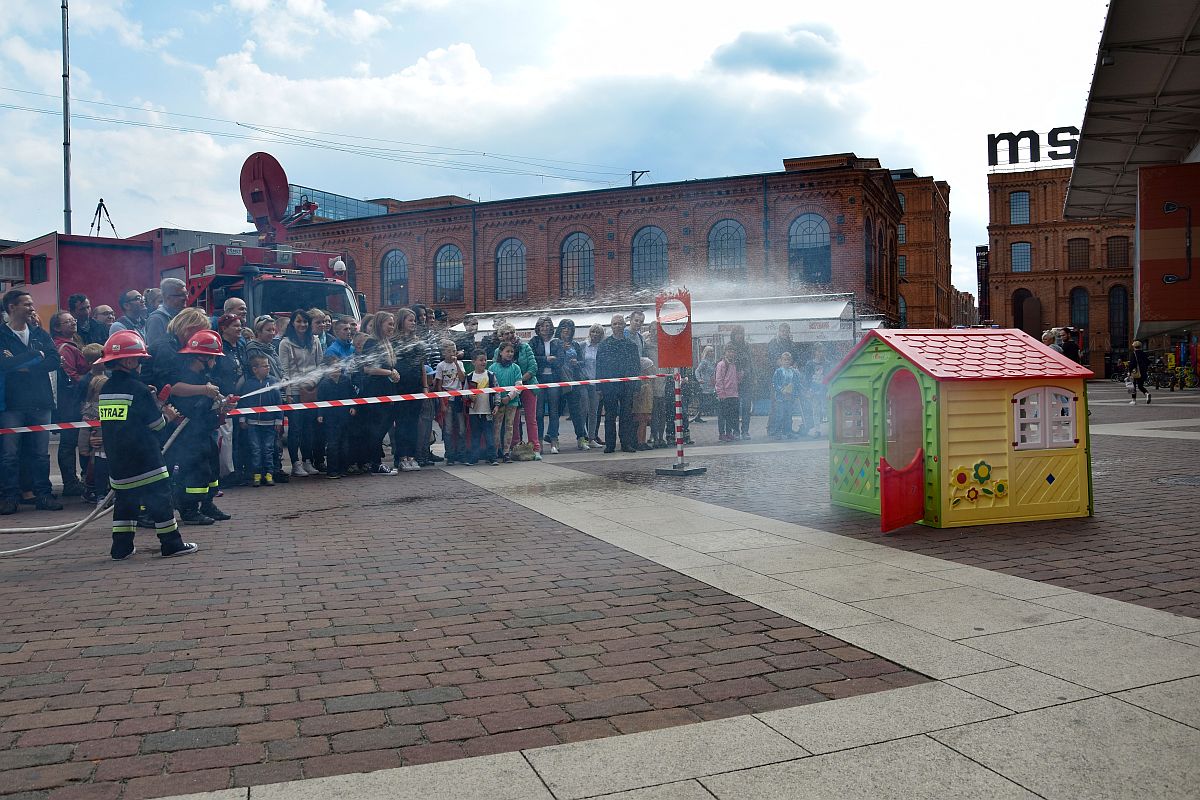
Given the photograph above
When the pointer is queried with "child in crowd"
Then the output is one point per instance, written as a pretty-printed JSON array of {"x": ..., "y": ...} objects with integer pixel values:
[
  {"x": 261, "y": 429},
  {"x": 92, "y": 462},
  {"x": 335, "y": 386},
  {"x": 643, "y": 404},
  {"x": 659, "y": 411},
  {"x": 449, "y": 375},
  {"x": 784, "y": 385},
  {"x": 194, "y": 456},
  {"x": 726, "y": 384},
  {"x": 506, "y": 372},
  {"x": 481, "y": 441},
  {"x": 706, "y": 372}
]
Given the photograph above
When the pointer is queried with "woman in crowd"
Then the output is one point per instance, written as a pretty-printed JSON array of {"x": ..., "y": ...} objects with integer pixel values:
[
  {"x": 590, "y": 395},
  {"x": 380, "y": 377},
  {"x": 706, "y": 374},
  {"x": 300, "y": 354},
  {"x": 164, "y": 355},
  {"x": 745, "y": 373},
  {"x": 73, "y": 366},
  {"x": 547, "y": 367},
  {"x": 227, "y": 373},
  {"x": 568, "y": 364}
]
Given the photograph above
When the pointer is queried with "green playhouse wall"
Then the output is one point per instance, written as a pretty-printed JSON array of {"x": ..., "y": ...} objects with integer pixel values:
[{"x": 854, "y": 468}]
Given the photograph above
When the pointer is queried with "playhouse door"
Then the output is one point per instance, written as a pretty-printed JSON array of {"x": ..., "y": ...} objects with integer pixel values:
[{"x": 902, "y": 488}]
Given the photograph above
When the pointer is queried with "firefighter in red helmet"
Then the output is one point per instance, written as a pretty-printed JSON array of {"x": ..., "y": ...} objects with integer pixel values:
[
  {"x": 194, "y": 459},
  {"x": 131, "y": 424}
]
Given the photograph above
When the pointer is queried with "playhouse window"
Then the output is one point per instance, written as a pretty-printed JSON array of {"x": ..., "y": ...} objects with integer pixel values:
[
  {"x": 850, "y": 416},
  {"x": 1044, "y": 418}
]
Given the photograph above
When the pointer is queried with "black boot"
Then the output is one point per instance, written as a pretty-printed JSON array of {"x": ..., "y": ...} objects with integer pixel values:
[
  {"x": 122, "y": 546},
  {"x": 172, "y": 544},
  {"x": 209, "y": 509}
]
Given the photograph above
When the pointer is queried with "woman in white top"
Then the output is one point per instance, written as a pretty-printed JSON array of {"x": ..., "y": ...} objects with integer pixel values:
[
  {"x": 591, "y": 394},
  {"x": 300, "y": 355}
]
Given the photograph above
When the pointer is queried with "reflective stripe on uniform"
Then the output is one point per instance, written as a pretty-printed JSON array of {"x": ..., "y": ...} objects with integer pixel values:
[
  {"x": 166, "y": 527},
  {"x": 158, "y": 424},
  {"x": 128, "y": 397},
  {"x": 196, "y": 490},
  {"x": 139, "y": 480}
]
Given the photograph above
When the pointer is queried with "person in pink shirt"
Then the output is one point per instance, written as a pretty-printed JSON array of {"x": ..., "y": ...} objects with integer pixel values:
[{"x": 726, "y": 382}]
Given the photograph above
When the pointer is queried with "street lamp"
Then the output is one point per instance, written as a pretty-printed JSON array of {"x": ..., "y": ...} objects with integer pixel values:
[{"x": 1170, "y": 207}]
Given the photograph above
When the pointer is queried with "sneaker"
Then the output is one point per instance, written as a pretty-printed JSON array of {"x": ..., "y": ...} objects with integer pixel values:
[
  {"x": 507, "y": 458},
  {"x": 352, "y": 469},
  {"x": 74, "y": 489},
  {"x": 89, "y": 497},
  {"x": 553, "y": 449},
  {"x": 1149, "y": 397},
  {"x": 609, "y": 450},
  {"x": 46, "y": 502},
  {"x": 433, "y": 458},
  {"x": 257, "y": 479},
  {"x": 281, "y": 477},
  {"x": 382, "y": 469},
  {"x": 187, "y": 549},
  {"x": 7, "y": 507},
  {"x": 298, "y": 470},
  {"x": 269, "y": 479},
  {"x": 493, "y": 463},
  {"x": 1133, "y": 402},
  {"x": 583, "y": 443},
  {"x": 645, "y": 446},
  {"x": 333, "y": 476},
  {"x": 210, "y": 510},
  {"x": 413, "y": 466},
  {"x": 116, "y": 557},
  {"x": 537, "y": 455},
  {"x": 195, "y": 518},
  {"x": 310, "y": 469}
]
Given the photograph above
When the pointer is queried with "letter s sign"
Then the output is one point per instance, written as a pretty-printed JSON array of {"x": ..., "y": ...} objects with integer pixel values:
[{"x": 1064, "y": 137}]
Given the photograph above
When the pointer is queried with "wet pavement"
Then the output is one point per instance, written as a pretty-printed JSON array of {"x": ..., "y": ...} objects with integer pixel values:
[{"x": 607, "y": 631}]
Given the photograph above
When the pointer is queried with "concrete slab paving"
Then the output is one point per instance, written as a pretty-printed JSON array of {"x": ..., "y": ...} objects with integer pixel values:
[
  {"x": 917, "y": 768},
  {"x": 1100, "y": 749},
  {"x": 814, "y": 610},
  {"x": 1127, "y": 615},
  {"x": 880, "y": 717},
  {"x": 681, "y": 790},
  {"x": 1021, "y": 689},
  {"x": 223, "y": 794},
  {"x": 924, "y": 652},
  {"x": 964, "y": 611},
  {"x": 864, "y": 581},
  {"x": 791, "y": 557},
  {"x": 501, "y": 777},
  {"x": 1188, "y": 638},
  {"x": 999, "y": 583},
  {"x": 644, "y": 759},
  {"x": 736, "y": 580},
  {"x": 729, "y": 539},
  {"x": 1100, "y": 656},
  {"x": 1177, "y": 700}
]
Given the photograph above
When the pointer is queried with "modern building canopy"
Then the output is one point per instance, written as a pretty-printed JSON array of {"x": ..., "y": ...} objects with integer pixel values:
[{"x": 1144, "y": 105}]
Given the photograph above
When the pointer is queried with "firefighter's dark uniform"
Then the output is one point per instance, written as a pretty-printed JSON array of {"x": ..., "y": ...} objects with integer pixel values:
[
  {"x": 194, "y": 458},
  {"x": 131, "y": 424}
]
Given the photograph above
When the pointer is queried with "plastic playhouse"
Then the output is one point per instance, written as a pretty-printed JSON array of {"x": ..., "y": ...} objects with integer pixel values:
[{"x": 954, "y": 427}]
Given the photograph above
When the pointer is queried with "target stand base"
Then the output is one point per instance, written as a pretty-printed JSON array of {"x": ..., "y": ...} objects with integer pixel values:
[{"x": 682, "y": 471}]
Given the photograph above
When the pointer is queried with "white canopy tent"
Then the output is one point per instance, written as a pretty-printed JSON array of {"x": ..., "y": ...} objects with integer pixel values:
[{"x": 813, "y": 318}]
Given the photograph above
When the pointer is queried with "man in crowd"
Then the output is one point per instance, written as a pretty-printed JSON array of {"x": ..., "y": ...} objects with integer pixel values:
[
  {"x": 617, "y": 357},
  {"x": 104, "y": 316},
  {"x": 133, "y": 309},
  {"x": 634, "y": 332},
  {"x": 340, "y": 346},
  {"x": 89, "y": 331},
  {"x": 233, "y": 305},
  {"x": 27, "y": 358},
  {"x": 174, "y": 292}
]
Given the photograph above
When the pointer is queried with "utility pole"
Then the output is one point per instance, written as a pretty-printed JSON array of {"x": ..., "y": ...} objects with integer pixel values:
[
  {"x": 634, "y": 174},
  {"x": 66, "y": 78}
]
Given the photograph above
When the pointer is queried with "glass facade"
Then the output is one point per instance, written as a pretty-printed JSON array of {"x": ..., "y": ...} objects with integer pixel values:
[{"x": 332, "y": 206}]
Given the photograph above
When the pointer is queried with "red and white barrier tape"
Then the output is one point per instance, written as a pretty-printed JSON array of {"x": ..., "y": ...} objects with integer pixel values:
[{"x": 359, "y": 401}]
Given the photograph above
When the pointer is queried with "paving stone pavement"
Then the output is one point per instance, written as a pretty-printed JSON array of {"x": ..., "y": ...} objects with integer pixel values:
[
  {"x": 1142, "y": 545},
  {"x": 1038, "y": 690},
  {"x": 345, "y": 626}
]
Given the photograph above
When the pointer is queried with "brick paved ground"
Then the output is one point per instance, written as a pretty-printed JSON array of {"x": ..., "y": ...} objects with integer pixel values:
[
  {"x": 1142, "y": 546},
  {"x": 363, "y": 624}
]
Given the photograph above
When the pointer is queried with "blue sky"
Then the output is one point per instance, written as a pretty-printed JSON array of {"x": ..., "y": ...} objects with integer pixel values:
[{"x": 496, "y": 99}]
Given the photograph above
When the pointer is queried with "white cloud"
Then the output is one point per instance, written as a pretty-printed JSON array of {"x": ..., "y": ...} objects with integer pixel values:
[
  {"x": 40, "y": 68},
  {"x": 288, "y": 28}
]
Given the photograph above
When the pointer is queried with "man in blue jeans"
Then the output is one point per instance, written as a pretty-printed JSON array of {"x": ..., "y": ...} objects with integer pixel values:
[{"x": 27, "y": 358}]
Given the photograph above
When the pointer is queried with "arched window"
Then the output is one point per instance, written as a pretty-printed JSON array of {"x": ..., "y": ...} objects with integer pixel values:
[
  {"x": 1018, "y": 208},
  {"x": 903, "y": 204},
  {"x": 1027, "y": 312},
  {"x": 1118, "y": 252},
  {"x": 809, "y": 254},
  {"x": 578, "y": 265},
  {"x": 1022, "y": 256},
  {"x": 448, "y": 275},
  {"x": 1077, "y": 253},
  {"x": 510, "y": 270},
  {"x": 394, "y": 279},
  {"x": 1079, "y": 308},
  {"x": 727, "y": 249},
  {"x": 1044, "y": 419},
  {"x": 869, "y": 256},
  {"x": 650, "y": 257},
  {"x": 1118, "y": 317},
  {"x": 903, "y": 313}
]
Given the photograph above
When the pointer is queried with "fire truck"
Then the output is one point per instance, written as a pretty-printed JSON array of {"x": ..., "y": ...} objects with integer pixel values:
[{"x": 272, "y": 276}]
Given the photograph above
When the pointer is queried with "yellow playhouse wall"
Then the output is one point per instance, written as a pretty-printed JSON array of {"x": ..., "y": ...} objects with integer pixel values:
[{"x": 977, "y": 427}]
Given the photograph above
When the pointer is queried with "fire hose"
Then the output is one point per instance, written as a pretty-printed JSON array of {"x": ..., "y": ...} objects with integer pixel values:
[{"x": 71, "y": 528}]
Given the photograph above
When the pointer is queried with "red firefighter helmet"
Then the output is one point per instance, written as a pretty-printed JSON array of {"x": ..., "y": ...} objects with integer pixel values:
[
  {"x": 203, "y": 343},
  {"x": 124, "y": 344}
]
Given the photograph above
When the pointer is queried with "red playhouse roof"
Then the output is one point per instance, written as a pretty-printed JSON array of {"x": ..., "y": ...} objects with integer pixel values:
[{"x": 973, "y": 354}]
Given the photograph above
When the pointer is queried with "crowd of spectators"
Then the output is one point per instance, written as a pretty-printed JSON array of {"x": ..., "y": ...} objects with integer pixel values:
[{"x": 314, "y": 355}]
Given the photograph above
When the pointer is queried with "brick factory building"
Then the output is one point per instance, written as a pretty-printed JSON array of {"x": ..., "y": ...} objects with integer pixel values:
[
  {"x": 924, "y": 251},
  {"x": 1046, "y": 271},
  {"x": 824, "y": 224}
]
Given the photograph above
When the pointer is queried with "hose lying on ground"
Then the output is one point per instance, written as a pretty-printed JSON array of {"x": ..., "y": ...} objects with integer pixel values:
[{"x": 71, "y": 528}]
